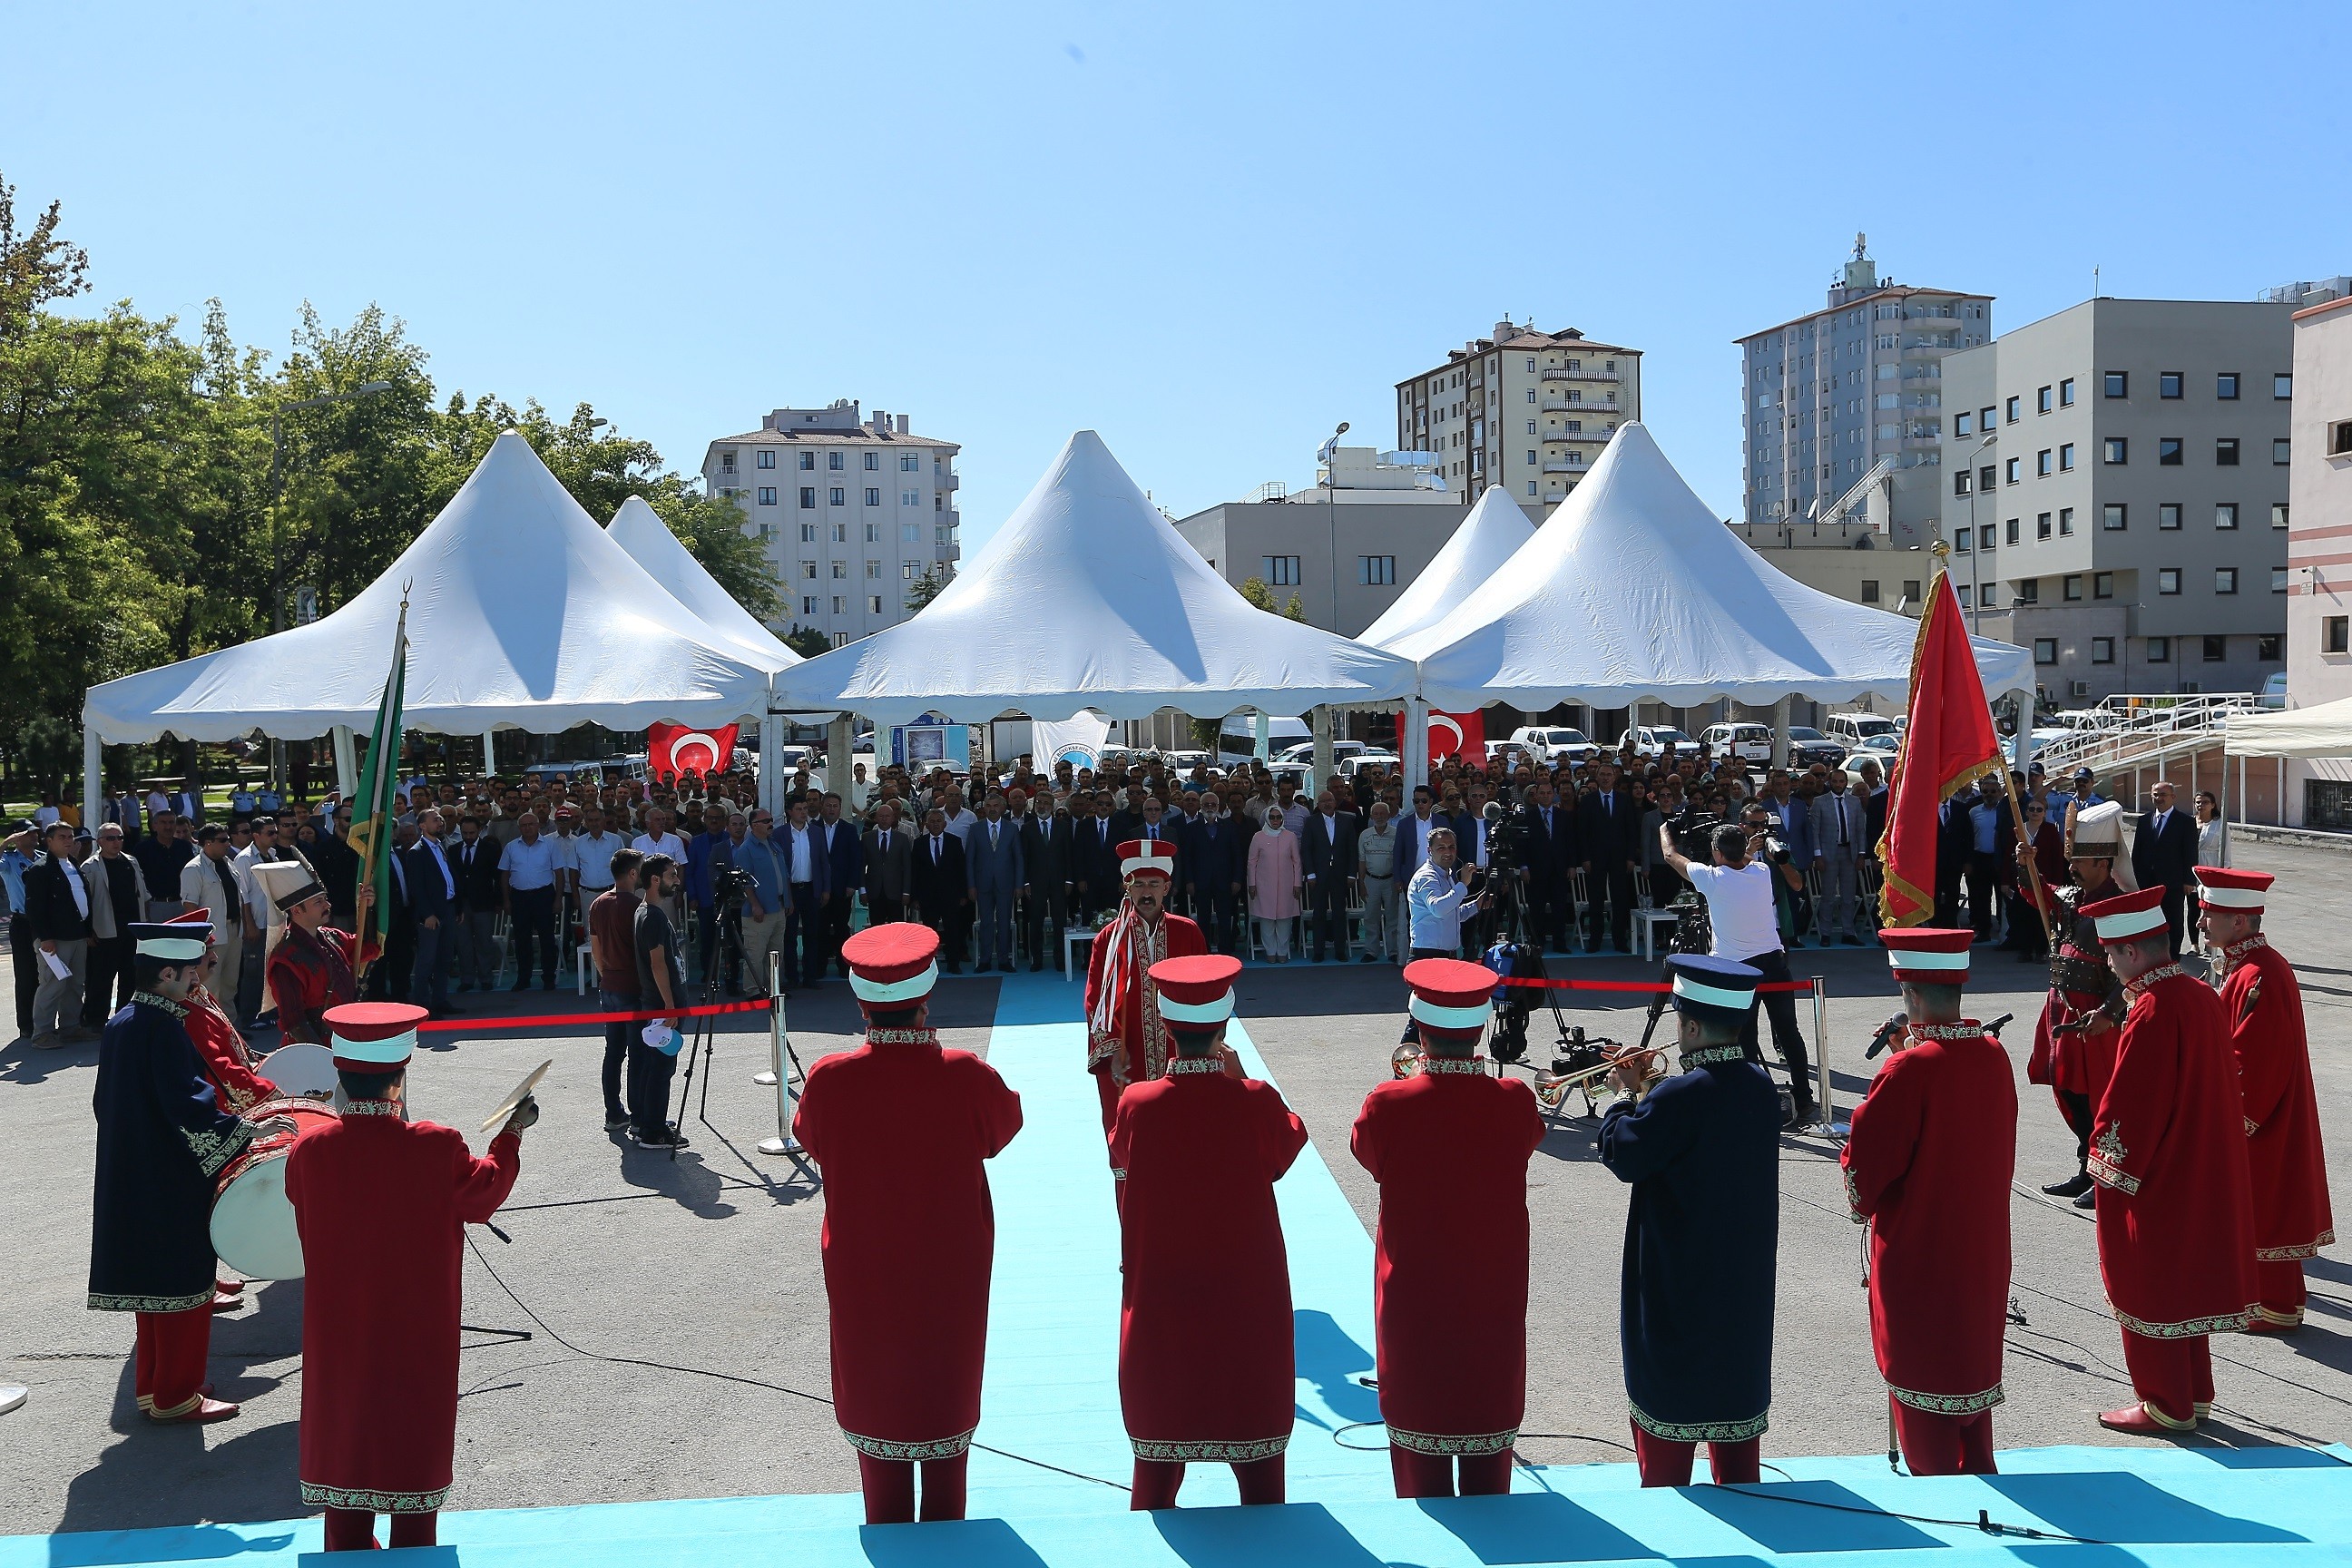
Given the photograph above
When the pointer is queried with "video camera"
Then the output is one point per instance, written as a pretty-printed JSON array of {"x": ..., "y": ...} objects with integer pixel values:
[
  {"x": 1507, "y": 841},
  {"x": 1692, "y": 832},
  {"x": 728, "y": 884}
]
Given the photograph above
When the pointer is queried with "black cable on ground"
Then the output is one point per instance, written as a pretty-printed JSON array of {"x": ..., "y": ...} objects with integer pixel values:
[{"x": 733, "y": 1377}]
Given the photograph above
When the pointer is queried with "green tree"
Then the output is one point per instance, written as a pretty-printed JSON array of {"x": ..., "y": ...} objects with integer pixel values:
[
  {"x": 1254, "y": 590},
  {"x": 807, "y": 641},
  {"x": 924, "y": 589},
  {"x": 712, "y": 529}
]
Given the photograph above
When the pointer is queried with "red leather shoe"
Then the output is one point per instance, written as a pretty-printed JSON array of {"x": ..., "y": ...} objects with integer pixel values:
[
  {"x": 203, "y": 1413},
  {"x": 228, "y": 1287},
  {"x": 227, "y": 1303},
  {"x": 2269, "y": 1326},
  {"x": 2138, "y": 1421}
]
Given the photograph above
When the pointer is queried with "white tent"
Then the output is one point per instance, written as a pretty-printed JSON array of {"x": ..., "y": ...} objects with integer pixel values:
[
  {"x": 2319, "y": 731},
  {"x": 1634, "y": 591},
  {"x": 639, "y": 530},
  {"x": 1493, "y": 532},
  {"x": 1086, "y": 598},
  {"x": 521, "y": 613}
]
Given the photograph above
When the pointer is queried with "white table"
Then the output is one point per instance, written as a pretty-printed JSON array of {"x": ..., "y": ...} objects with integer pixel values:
[
  {"x": 1645, "y": 925},
  {"x": 1071, "y": 937}
]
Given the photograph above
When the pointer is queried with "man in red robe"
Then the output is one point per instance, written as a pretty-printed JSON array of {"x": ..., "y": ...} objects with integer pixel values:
[
  {"x": 2169, "y": 1153},
  {"x": 901, "y": 1129},
  {"x": 228, "y": 1062},
  {"x": 1450, "y": 1147},
  {"x": 1205, "y": 1364},
  {"x": 2074, "y": 1038},
  {"x": 2284, "y": 1161},
  {"x": 1127, "y": 1042},
  {"x": 382, "y": 1204},
  {"x": 1927, "y": 1168},
  {"x": 313, "y": 967}
]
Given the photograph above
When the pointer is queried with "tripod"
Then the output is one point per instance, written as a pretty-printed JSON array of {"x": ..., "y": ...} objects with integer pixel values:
[{"x": 727, "y": 960}]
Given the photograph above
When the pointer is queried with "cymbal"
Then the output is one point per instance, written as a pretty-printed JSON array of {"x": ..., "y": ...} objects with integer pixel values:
[{"x": 516, "y": 1095}]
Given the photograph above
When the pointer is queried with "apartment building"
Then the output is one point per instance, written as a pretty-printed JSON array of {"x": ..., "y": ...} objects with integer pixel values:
[
  {"x": 1526, "y": 409},
  {"x": 1845, "y": 405},
  {"x": 853, "y": 511},
  {"x": 1348, "y": 547},
  {"x": 2319, "y": 543},
  {"x": 2116, "y": 493}
]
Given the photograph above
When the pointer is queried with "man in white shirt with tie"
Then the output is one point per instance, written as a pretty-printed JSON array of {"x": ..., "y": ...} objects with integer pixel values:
[
  {"x": 1840, "y": 828},
  {"x": 808, "y": 888}
]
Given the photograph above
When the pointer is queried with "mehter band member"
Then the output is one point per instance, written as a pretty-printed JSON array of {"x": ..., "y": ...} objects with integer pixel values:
[
  {"x": 902, "y": 1129},
  {"x": 237, "y": 1084},
  {"x": 162, "y": 1138},
  {"x": 2169, "y": 1153},
  {"x": 312, "y": 966},
  {"x": 2074, "y": 1038},
  {"x": 382, "y": 1204},
  {"x": 1450, "y": 1147},
  {"x": 1702, "y": 1152},
  {"x": 2264, "y": 1004},
  {"x": 1927, "y": 1168},
  {"x": 1127, "y": 1041},
  {"x": 1205, "y": 1365}
]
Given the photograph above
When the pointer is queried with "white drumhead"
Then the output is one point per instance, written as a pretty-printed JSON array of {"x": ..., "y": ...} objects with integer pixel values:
[
  {"x": 301, "y": 1069},
  {"x": 252, "y": 1222}
]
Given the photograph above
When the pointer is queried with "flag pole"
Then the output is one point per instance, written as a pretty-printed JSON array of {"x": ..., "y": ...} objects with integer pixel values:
[{"x": 384, "y": 752}]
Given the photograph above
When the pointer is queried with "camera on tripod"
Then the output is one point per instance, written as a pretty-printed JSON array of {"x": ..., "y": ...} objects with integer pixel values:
[
  {"x": 1507, "y": 841},
  {"x": 729, "y": 884}
]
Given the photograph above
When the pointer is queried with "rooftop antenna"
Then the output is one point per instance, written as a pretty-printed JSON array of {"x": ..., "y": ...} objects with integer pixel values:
[{"x": 2094, "y": 280}]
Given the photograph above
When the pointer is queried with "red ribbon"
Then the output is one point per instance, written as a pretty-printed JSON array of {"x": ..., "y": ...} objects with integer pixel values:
[
  {"x": 1650, "y": 986},
  {"x": 541, "y": 1020}
]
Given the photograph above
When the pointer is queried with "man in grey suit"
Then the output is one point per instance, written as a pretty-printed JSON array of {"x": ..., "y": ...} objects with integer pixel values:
[
  {"x": 888, "y": 849},
  {"x": 1840, "y": 836},
  {"x": 993, "y": 862}
]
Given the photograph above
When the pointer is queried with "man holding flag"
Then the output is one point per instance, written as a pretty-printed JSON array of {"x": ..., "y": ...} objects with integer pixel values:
[{"x": 375, "y": 807}]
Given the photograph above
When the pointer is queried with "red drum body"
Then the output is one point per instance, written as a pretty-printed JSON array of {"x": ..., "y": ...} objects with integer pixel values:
[{"x": 253, "y": 1220}]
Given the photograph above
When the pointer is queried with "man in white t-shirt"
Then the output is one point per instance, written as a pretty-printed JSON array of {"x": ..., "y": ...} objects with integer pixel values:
[
  {"x": 1746, "y": 920},
  {"x": 658, "y": 839}
]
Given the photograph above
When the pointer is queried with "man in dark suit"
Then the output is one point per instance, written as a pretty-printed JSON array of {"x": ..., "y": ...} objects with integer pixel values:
[
  {"x": 1608, "y": 845},
  {"x": 1212, "y": 862},
  {"x": 1551, "y": 850},
  {"x": 844, "y": 859},
  {"x": 889, "y": 865},
  {"x": 1328, "y": 852},
  {"x": 475, "y": 859},
  {"x": 1049, "y": 858},
  {"x": 1955, "y": 842},
  {"x": 2164, "y": 855},
  {"x": 388, "y": 977},
  {"x": 1097, "y": 879},
  {"x": 432, "y": 904},
  {"x": 937, "y": 886}
]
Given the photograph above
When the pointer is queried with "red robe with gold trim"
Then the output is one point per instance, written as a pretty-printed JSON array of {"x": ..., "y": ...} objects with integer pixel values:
[
  {"x": 2169, "y": 1152},
  {"x": 382, "y": 1205},
  {"x": 901, "y": 1128},
  {"x": 1139, "y": 1025},
  {"x": 2264, "y": 1002},
  {"x": 226, "y": 1060},
  {"x": 309, "y": 973},
  {"x": 2082, "y": 989},
  {"x": 1205, "y": 1365},
  {"x": 1450, "y": 1147},
  {"x": 1927, "y": 1167}
]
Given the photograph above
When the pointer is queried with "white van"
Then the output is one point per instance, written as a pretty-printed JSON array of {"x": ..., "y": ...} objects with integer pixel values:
[{"x": 1852, "y": 730}]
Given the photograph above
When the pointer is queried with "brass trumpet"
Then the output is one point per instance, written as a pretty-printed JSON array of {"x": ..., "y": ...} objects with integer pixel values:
[
  {"x": 1405, "y": 1060},
  {"x": 1552, "y": 1088}
]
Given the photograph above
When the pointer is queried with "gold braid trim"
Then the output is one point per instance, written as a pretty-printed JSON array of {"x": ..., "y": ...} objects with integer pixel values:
[
  {"x": 100, "y": 1301},
  {"x": 2193, "y": 1328},
  {"x": 1210, "y": 1452},
  {"x": 1438, "y": 1443},
  {"x": 373, "y": 1500},
  {"x": 2294, "y": 1254},
  {"x": 1853, "y": 1197},
  {"x": 907, "y": 1453},
  {"x": 161, "y": 1003},
  {"x": 1707, "y": 1056},
  {"x": 1948, "y": 1404},
  {"x": 216, "y": 1150},
  {"x": 1179, "y": 1065},
  {"x": 1701, "y": 1432}
]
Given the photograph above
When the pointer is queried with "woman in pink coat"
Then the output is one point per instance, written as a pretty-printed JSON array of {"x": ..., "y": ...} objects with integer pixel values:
[{"x": 1275, "y": 885}]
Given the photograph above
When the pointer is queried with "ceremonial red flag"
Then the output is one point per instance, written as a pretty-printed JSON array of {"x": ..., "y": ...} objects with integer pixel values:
[
  {"x": 675, "y": 749},
  {"x": 1451, "y": 735},
  {"x": 1950, "y": 744}
]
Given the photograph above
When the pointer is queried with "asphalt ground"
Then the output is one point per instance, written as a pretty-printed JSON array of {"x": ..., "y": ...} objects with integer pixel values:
[{"x": 710, "y": 1263}]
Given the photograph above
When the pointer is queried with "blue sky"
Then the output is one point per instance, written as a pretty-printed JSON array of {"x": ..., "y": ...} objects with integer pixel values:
[{"x": 1207, "y": 231}]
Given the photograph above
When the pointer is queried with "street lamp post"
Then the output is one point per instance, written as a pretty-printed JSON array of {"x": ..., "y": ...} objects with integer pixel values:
[{"x": 1976, "y": 599}]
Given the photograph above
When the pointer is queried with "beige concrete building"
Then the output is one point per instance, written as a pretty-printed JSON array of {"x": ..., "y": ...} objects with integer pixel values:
[
  {"x": 1525, "y": 409},
  {"x": 2319, "y": 547},
  {"x": 851, "y": 511}
]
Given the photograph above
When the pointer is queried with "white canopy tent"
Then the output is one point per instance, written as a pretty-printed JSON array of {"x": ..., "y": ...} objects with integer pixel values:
[
  {"x": 522, "y": 614},
  {"x": 1086, "y": 598},
  {"x": 1634, "y": 591},
  {"x": 1494, "y": 531},
  {"x": 2307, "y": 734}
]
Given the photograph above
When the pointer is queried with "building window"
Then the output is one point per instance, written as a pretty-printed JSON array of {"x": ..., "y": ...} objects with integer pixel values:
[
  {"x": 2010, "y": 408},
  {"x": 808, "y": 533},
  {"x": 2271, "y": 647},
  {"x": 2013, "y": 530},
  {"x": 2118, "y": 383},
  {"x": 2009, "y": 474},
  {"x": 1960, "y": 423},
  {"x": 841, "y": 640},
  {"x": 2115, "y": 450},
  {"x": 2216, "y": 650},
  {"x": 2167, "y": 514},
  {"x": 2114, "y": 517},
  {"x": 2103, "y": 650},
  {"x": 1376, "y": 570},
  {"x": 767, "y": 495},
  {"x": 766, "y": 459},
  {"x": 2042, "y": 464},
  {"x": 2066, "y": 521},
  {"x": 1531, "y": 490},
  {"x": 2071, "y": 587},
  {"x": 2278, "y": 514},
  {"x": 2225, "y": 515},
  {"x": 874, "y": 604},
  {"x": 2225, "y": 579},
  {"x": 1984, "y": 537},
  {"x": 1911, "y": 589},
  {"x": 1961, "y": 483},
  {"x": 2278, "y": 579},
  {"x": 1531, "y": 427},
  {"x": 1531, "y": 458},
  {"x": 808, "y": 462},
  {"x": 2282, "y": 386},
  {"x": 872, "y": 461},
  {"x": 2046, "y": 650},
  {"x": 2335, "y": 634},
  {"x": 2168, "y": 452},
  {"x": 873, "y": 496},
  {"x": 808, "y": 605},
  {"x": 2041, "y": 525},
  {"x": 874, "y": 568},
  {"x": 1984, "y": 480},
  {"x": 1282, "y": 571},
  {"x": 840, "y": 604},
  {"x": 840, "y": 497},
  {"x": 2103, "y": 585},
  {"x": 2041, "y": 401},
  {"x": 909, "y": 463},
  {"x": 841, "y": 533},
  {"x": 808, "y": 570},
  {"x": 840, "y": 571},
  {"x": 833, "y": 461},
  {"x": 2066, "y": 458},
  {"x": 2167, "y": 383},
  {"x": 910, "y": 498},
  {"x": 727, "y": 462},
  {"x": 2067, "y": 392},
  {"x": 2225, "y": 387},
  {"x": 1870, "y": 589},
  {"x": 808, "y": 496},
  {"x": 1984, "y": 420},
  {"x": 2159, "y": 650},
  {"x": 1961, "y": 542},
  {"x": 2028, "y": 590},
  {"x": 2225, "y": 452},
  {"x": 2167, "y": 580},
  {"x": 1985, "y": 596},
  {"x": 1531, "y": 394}
]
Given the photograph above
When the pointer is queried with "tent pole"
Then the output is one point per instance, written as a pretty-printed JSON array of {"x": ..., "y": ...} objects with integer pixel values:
[
  {"x": 1321, "y": 721},
  {"x": 837, "y": 743},
  {"x": 347, "y": 771},
  {"x": 1780, "y": 735},
  {"x": 1263, "y": 726},
  {"x": 771, "y": 767},
  {"x": 1415, "y": 741},
  {"x": 93, "y": 788},
  {"x": 490, "y": 754}
]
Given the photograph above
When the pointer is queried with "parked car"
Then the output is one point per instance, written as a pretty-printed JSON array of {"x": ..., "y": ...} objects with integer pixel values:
[
  {"x": 1853, "y": 729},
  {"x": 1749, "y": 743},
  {"x": 1660, "y": 740},
  {"x": 1552, "y": 743},
  {"x": 1185, "y": 762},
  {"x": 1348, "y": 766},
  {"x": 2273, "y": 691},
  {"x": 1808, "y": 746},
  {"x": 1305, "y": 752}
]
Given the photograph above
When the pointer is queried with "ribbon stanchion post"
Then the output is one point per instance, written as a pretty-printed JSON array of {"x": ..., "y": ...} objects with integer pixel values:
[{"x": 1827, "y": 1098}]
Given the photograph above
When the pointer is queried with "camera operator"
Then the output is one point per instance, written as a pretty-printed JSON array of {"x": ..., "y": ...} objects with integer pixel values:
[
  {"x": 1437, "y": 901},
  {"x": 1743, "y": 909}
]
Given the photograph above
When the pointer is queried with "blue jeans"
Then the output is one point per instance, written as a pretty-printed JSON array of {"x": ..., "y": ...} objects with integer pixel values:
[{"x": 616, "y": 1047}]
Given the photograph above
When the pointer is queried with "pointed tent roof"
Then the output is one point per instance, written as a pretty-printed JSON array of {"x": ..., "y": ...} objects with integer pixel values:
[
  {"x": 639, "y": 530},
  {"x": 1088, "y": 598},
  {"x": 521, "y": 613},
  {"x": 1493, "y": 532},
  {"x": 1634, "y": 591}
]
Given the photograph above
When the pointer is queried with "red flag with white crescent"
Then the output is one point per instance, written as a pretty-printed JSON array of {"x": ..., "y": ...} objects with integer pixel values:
[
  {"x": 1454, "y": 734},
  {"x": 1949, "y": 745},
  {"x": 675, "y": 749}
]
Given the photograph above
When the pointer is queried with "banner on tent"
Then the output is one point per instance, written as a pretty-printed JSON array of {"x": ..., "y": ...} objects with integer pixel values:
[
  {"x": 1077, "y": 740},
  {"x": 675, "y": 749},
  {"x": 1453, "y": 735}
]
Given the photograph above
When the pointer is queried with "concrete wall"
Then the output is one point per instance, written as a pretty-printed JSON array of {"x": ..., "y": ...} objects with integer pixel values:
[
  {"x": 1236, "y": 537},
  {"x": 2319, "y": 540}
]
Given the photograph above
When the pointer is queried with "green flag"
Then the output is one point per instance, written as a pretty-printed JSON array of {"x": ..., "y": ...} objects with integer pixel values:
[{"x": 378, "y": 801}]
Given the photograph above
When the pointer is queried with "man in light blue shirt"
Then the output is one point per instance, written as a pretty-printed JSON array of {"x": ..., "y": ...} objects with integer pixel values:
[
  {"x": 527, "y": 867},
  {"x": 1436, "y": 900}
]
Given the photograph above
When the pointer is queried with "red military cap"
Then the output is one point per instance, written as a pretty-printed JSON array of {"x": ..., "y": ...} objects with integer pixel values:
[
  {"x": 2245, "y": 892},
  {"x": 892, "y": 965},
  {"x": 2127, "y": 915},
  {"x": 1451, "y": 998},
  {"x": 1147, "y": 858},
  {"x": 1927, "y": 955},
  {"x": 373, "y": 1036},
  {"x": 199, "y": 916},
  {"x": 1196, "y": 990}
]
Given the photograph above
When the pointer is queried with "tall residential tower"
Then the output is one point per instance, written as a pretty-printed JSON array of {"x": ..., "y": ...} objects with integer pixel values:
[{"x": 1523, "y": 409}]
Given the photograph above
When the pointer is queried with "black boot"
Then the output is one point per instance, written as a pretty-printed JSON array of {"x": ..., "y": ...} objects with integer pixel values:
[{"x": 2074, "y": 1186}]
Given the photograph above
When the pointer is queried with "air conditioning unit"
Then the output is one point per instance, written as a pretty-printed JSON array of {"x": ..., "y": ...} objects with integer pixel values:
[{"x": 2081, "y": 689}]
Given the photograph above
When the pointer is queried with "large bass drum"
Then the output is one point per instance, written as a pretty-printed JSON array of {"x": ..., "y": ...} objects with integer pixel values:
[{"x": 253, "y": 1220}]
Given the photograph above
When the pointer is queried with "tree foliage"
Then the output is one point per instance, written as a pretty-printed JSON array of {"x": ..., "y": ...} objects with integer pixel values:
[
  {"x": 807, "y": 641},
  {"x": 925, "y": 588},
  {"x": 1254, "y": 590}
]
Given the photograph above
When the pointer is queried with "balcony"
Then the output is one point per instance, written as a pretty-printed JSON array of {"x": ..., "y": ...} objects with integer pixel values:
[
  {"x": 1562, "y": 466},
  {"x": 1596, "y": 437},
  {"x": 1566, "y": 373},
  {"x": 1555, "y": 404}
]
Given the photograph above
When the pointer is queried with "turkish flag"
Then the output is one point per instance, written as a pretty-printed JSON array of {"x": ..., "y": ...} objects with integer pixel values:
[
  {"x": 1454, "y": 734},
  {"x": 1949, "y": 746},
  {"x": 673, "y": 749}
]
